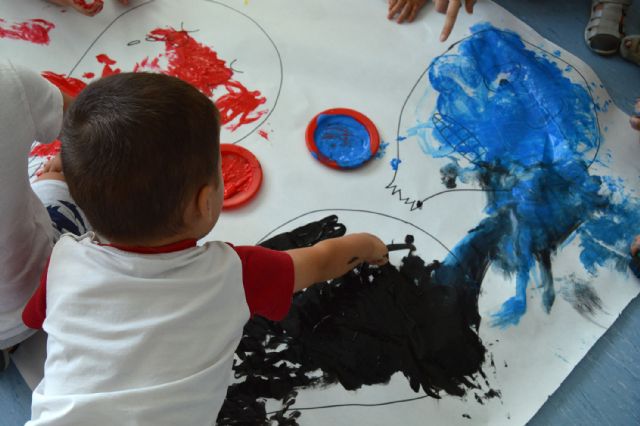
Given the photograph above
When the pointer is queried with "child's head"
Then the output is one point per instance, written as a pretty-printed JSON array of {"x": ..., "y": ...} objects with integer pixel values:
[{"x": 141, "y": 156}]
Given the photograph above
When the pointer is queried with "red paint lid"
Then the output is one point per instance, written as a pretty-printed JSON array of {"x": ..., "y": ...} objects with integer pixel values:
[
  {"x": 342, "y": 138},
  {"x": 242, "y": 175}
]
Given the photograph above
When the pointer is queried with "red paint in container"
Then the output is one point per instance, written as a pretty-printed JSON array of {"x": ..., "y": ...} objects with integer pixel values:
[{"x": 242, "y": 175}]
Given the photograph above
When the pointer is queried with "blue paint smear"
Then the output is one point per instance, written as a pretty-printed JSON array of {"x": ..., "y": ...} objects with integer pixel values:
[
  {"x": 530, "y": 134},
  {"x": 557, "y": 52},
  {"x": 382, "y": 150},
  {"x": 395, "y": 163},
  {"x": 343, "y": 139}
]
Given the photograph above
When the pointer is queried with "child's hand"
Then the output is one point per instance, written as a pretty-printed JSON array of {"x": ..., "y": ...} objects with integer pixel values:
[
  {"x": 379, "y": 252},
  {"x": 52, "y": 170},
  {"x": 405, "y": 10},
  {"x": 451, "y": 8},
  {"x": 86, "y": 7}
]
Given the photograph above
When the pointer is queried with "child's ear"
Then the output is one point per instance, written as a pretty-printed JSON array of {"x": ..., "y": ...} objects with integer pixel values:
[{"x": 203, "y": 201}]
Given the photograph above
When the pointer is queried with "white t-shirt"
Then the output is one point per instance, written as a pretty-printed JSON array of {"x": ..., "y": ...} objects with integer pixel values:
[
  {"x": 144, "y": 336},
  {"x": 30, "y": 109}
]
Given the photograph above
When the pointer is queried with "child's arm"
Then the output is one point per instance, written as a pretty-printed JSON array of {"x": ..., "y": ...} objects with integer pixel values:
[{"x": 332, "y": 258}]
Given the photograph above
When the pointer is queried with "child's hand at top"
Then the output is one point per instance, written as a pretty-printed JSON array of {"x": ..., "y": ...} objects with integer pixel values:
[
  {"x": 86, "y": 7},
  {"x": 451, "y": 9},
  {"x": 406, "y": 10}
]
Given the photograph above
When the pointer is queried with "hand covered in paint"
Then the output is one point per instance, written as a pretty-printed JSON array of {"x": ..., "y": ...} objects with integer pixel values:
[
  {"x": 86, "y": 7},
  {"x": 451, "y": 9},
  {"x": 405, "y": 10}
]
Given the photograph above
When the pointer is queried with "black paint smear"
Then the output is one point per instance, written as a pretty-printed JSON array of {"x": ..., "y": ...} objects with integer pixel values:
[
  {"x": 582, "y": 296},
  {"x": 466, "y": 416},
  {"x": 359, "y": 330},
  {"x": 449, "y": 175}
]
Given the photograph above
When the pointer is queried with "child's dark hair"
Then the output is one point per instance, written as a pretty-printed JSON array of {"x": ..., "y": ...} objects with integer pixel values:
[{"x": 136, "y": 147}]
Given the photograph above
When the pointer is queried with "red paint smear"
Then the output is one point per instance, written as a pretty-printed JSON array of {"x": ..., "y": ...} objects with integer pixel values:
[
  {"x": 89, "y": 5},
  {"x": 69, "y": 85},
  {"x": 34, "y": 30},
  {"x": 237, "y": 175},
  {"x": 107, "y": 62},
  {"x": 264, "y": 134},
  {"x": 73, "y": 86},
  {"x": 200, "y": 66},
  {"x": 48, "y": 150},
  {"x": 192, "y": 62}
]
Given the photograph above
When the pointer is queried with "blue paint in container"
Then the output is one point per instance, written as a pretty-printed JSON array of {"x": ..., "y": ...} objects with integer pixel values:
[{"x": 342, "y": 139}]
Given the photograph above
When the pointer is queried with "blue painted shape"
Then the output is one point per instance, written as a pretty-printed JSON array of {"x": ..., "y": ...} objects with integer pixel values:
[
  {"x": 343, "y": 139},
  {"x": 530, "y": 134},
  {"x": 395, "y": 163}
]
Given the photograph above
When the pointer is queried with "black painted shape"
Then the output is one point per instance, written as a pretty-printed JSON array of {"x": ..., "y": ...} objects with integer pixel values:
[{"x": 358, "y": 330}]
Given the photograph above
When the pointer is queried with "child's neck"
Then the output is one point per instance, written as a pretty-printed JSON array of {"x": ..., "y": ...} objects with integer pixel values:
[{"x": 157, "y": 242}]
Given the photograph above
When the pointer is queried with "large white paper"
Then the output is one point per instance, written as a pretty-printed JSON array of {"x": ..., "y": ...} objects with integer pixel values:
[{"x": 306, "y": 56}]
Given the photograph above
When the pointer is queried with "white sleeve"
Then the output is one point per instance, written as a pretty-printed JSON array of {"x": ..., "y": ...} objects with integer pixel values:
[
  {"x": 30, "y": 109},
  {"x": 43, "y": 101}
]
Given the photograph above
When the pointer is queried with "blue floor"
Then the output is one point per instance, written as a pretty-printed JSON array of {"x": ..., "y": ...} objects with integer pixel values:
[{"x": 604, "y": 389}]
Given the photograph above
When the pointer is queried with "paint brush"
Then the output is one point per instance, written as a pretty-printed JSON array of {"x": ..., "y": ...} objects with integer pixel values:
[{"x": 401, "y": 246}]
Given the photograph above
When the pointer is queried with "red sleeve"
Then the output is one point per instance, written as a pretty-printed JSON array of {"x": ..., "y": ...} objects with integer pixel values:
[
  {"x": 268, "y": 278},
  {"x": 35, "y": 312}
]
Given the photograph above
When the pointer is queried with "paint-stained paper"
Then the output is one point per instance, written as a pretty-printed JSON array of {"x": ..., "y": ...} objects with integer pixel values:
[{"x": 496, "y": 146}]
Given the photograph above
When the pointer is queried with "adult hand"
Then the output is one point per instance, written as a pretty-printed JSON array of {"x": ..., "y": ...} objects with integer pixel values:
[{"x": 451, "y": 9}]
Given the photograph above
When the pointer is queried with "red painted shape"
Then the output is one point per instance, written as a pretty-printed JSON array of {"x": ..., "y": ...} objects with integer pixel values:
[
  {"x": 69, "y": 85},
  {"x": 89, "y": 5},
  {"x": 34, "y": 30},
  {"x": 200, "y": 66},
  {"x": 242, "y": 175},
  {"x": 107, "y": 62},
  {"x": 48, "y": 150},
  {"x": 192, "y": 62},
  {"x": 264, "y": 134}
]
